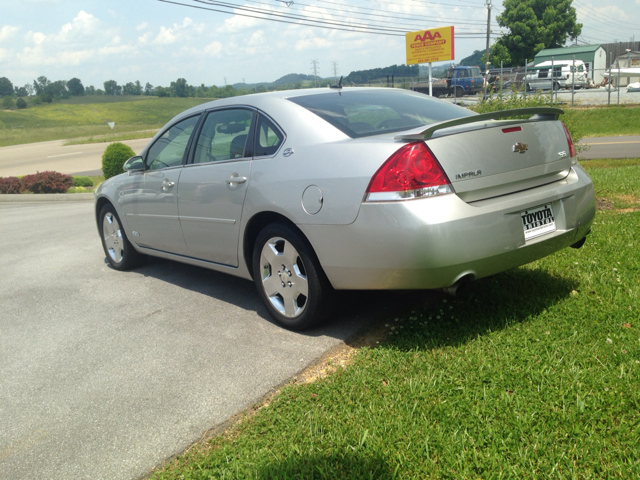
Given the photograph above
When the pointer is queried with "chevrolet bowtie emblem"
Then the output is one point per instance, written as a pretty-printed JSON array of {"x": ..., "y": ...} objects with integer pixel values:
[{"x": 520, "y": 147}]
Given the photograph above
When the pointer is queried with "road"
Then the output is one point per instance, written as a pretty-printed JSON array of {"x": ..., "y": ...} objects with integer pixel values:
[
  {"x": 611, "y": 147},
  {"x": 72, "y": 159},
  {"x": 105, "y": 374}
]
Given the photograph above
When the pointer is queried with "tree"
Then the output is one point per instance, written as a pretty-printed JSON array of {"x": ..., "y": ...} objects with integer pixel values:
[
  {"x": 57, "y": 89},
  {"x": 41, "y": 84},
  {"x": 90, "y": 90},
  {"x": 148, "y": 89},
  {"x": 111, "y": 87},
  {"x": 21, "y": 91},
  {"x": 533, "y": 25},
  {"x": 6, "y": 87},
  {"x": 20, "y": 103},
  {"x": 132, "y": 88},
  {"x": 75, "y": 87},
  {"x": 179, "y": 88}
]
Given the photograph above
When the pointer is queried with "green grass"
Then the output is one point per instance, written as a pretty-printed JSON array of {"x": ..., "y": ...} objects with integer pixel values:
[
  {"x": 61, "y": 121},
  {"x": 604, "y": 121},
  {"x": 532, "y": 373}
]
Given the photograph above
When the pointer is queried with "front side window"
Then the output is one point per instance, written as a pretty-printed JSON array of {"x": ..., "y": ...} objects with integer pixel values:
[
  {"x": 223, "y": 135},
  {"x": 362, "y": 113},
  {"x": 268, "y": 138},
  {"x": 169, "y": 149}
]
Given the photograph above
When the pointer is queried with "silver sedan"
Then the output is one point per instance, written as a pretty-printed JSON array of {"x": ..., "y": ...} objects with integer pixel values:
[{"x": 311, "y": 191}]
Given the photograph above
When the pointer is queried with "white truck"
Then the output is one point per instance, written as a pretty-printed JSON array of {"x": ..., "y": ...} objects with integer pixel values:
[{"x": 563, "y": 75}]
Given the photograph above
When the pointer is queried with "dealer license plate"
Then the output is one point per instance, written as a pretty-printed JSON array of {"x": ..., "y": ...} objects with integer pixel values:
[{"x": 538, "y": 221}]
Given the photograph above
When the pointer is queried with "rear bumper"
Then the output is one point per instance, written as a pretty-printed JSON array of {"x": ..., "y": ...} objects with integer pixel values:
[{"x": 434, "y": 242}]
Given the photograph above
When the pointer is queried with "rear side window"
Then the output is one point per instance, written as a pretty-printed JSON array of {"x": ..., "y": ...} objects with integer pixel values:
[
  {"x": 363, "y": 113},
  {"x": 268, "y": 138},
  {"x": 223, "y": 136}
]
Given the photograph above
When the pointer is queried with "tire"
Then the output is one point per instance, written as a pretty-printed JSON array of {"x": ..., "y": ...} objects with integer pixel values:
[
  {"x": 459, "y": 92},
  {"x": 119, "y": 252},
  {"x": 289, "y": 278},
  {"x": 556, "y": 86}
]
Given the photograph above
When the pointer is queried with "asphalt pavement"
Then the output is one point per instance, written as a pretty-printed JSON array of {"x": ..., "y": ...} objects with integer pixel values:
[
  {"x": 105, "y": 374},
  {"x": 610, "y": 147}
]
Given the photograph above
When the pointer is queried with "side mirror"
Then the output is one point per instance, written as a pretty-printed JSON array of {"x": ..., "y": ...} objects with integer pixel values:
[{"x": 134, "y": 164}]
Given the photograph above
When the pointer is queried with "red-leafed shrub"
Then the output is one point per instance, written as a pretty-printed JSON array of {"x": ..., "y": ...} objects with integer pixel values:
[
  {"x": 47, "y": 182},
  {"x": 10, "y": 185}
]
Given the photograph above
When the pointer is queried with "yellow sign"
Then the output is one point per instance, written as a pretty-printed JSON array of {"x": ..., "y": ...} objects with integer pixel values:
[{"x": 434, "y": 45}]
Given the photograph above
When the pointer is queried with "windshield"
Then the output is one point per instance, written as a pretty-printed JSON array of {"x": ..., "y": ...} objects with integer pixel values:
[{"x": 363, "y": 113}]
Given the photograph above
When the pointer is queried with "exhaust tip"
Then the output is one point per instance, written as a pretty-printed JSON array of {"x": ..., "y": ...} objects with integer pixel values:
[{"x": 453, "y": 289}]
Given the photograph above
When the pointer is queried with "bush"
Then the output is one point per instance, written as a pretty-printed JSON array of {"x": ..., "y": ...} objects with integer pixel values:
[
  {"x": 82, "y": 182},
  {"x": 10, "y": 185},
  {"x": 20, "y": 103},
  {"x": 114, "y": 157},
  {"x": 47, "y": 182},
  {"x": 79, "y": 190}
]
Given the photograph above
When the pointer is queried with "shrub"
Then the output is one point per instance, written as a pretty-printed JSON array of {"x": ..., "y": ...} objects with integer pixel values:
[
  {"x": 10, "y": 185},
  {"x": 82, "y": 182},
  {"x": 20, "y": 103},
  {"x": 78, "y": 190},
  {"x": 114, "y": 157},
  {"x": 47, "y": 182}
]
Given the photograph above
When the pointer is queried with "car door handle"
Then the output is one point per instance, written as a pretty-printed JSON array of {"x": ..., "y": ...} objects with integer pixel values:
[
  {"x": 235, "y": 179},
  {"x": 167, "y": 184}
]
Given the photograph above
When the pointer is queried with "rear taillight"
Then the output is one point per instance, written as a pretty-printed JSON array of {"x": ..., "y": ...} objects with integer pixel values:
[
  {"x": 411, "y": 172},
  {"x": 572, "y": 148}
]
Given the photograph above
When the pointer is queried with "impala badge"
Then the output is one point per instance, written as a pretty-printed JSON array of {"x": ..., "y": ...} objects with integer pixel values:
[{"x": 520, "y": 147}]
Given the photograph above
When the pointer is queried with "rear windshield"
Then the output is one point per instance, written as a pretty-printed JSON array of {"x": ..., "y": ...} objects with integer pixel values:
[{"x": 364, "y": 113}]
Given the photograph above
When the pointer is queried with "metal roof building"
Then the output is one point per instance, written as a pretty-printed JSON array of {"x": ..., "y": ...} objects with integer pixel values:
[{"x": 594, "y": 56}]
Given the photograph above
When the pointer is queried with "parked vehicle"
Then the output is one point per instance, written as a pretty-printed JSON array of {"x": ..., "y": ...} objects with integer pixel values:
[
  {"x": 541, "y": 77},
  {"x": 460, "y": 81},
  {"x": 463, "y": 80},
  {"x": 307, "y": 191}
]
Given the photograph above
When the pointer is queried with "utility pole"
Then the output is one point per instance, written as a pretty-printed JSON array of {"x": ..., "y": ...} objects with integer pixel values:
[
  {"x": 488, "y": 32},
  {"x": 315, "y": 70},
  {"x": 335, "y": 70}
]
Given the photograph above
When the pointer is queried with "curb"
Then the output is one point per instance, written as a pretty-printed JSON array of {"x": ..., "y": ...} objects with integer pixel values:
[{"x": 46, "y": 197}]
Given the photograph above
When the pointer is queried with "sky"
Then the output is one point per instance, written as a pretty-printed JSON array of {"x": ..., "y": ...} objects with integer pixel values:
[{"x": 158, "y": 42}]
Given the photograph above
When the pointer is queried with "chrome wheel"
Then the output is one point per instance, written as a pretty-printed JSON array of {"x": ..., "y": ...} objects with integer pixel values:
[
  {"x": 112, "y": 235},
  {"x": 283, "y": 277}
]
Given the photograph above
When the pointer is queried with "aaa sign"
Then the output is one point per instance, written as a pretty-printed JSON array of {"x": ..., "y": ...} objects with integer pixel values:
[{"x": 432, "y": 45}]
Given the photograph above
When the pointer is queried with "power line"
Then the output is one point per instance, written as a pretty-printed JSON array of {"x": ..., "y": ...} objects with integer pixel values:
[{"x": 294, "y": 19}]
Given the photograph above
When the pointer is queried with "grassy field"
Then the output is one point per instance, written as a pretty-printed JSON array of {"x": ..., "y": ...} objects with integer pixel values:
[
  {"x": 61, "y": 121},
  {"x": 605, "y": 121},
  {"x": 533, "y": 373}
]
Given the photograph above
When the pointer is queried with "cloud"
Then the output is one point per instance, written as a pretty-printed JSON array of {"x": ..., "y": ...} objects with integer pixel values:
[
  {"x": 214, "y": 49},
  {"x": 308, "y": 43},
  {"x": 238, "y": 23},
  {"x": 142, "y": 26},
  {"x": 170, "y": 35},
  {"x": 7, "y": 31}
]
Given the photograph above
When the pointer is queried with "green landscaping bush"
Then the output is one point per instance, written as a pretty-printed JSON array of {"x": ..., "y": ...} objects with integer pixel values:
[
  {"x": 114, "y": 157},
  {"x": 10, "y": 185},
  {"x": 20, "y": 103},
  {"x": 82, "y": 182},
  {"x": 47, "y": 182}
]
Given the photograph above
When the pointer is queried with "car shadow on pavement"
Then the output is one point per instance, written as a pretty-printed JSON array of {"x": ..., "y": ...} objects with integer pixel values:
[{"x": 353, "y": 310}]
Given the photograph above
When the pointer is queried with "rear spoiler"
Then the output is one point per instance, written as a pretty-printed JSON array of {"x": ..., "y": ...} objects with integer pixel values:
[{"x": 537, "y": 113}]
